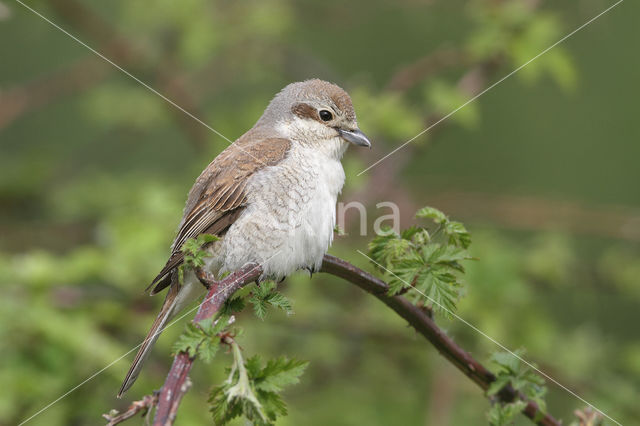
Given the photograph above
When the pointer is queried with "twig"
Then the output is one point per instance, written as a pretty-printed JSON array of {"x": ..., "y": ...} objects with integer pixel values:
[
  {"x": 143, "y": 406},
  {"x": 177, "y": 383},
  {"x": 426, "y": 326}
]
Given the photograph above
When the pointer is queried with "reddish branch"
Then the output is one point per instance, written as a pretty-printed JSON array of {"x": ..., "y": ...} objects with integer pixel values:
[
  {"x": 177, "y": 382},
  {"x": 425, "y": 325}
]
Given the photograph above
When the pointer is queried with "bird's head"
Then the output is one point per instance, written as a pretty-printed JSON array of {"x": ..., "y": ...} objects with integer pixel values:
[{"x": 315, "y": 112}]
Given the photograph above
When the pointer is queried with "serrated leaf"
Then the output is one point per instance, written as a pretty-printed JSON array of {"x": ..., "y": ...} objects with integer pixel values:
[
  {"x": 259, "y": 308},
  {"x": 414, "y": 260},
  {"x": 262, "y": 383},
  {"x": 232, "y": 306},
  {"x": 279, "y": 373},
  {"x": 446, "y": 253},
  {"x": 431, "y": 213},
  {"x": 458, "y": 234},
  {"x": 254, "y": 366},
  {"x": 208, "y": 349},
  {"x": 386, "y": 247},
  {"x": 502, "y": 414},
  {"x": 507, "y": 361},
  {"x": 189, "y": 340},
  {"x": 206, "y": 238},
  {"x": 265, "y": 295},
  {"x": 395, "y": 286},
  {"x": 206, "y": 326},
  {"x": 194, "y": 252},
  {"x": 222, "y": 410},
  {"x": 421, "y": 238},
  {"x": 522, "y": 378},
  {"x": 496, "y": 385},
  {"x": 272, "y": 404},
  {"x": 280, "y": 301},
  {"x": 201, "y": 339},
  {"x": 407, "y": 234}
]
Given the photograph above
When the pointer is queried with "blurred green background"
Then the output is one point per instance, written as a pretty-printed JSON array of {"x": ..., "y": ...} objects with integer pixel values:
[{"x": 543, "y": 169}]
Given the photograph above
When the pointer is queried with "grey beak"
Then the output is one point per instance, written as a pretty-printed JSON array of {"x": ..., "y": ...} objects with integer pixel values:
[{"x": 356, "y": 137}]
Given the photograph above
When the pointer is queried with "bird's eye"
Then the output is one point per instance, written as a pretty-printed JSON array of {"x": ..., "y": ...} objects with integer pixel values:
[{"x": 325, "y": 115}]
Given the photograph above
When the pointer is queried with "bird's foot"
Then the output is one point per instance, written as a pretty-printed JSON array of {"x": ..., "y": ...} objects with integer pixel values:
[
  {"x": 207, "y": 279},
  {"x": 311, "y": 270}
]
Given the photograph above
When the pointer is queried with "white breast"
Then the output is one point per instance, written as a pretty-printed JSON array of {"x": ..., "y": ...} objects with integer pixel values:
[{"x": 288, "y": 223}]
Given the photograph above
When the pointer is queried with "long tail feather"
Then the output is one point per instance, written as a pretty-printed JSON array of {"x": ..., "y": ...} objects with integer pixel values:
[{"x": 167, "y": 312}]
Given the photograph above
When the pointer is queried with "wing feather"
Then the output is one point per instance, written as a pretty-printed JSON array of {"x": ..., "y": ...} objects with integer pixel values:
[{"x": 218, "y": 197}]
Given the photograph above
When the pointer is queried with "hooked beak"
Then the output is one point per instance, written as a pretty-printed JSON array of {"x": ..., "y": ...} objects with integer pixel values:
[{"x": 356, "y": 137}]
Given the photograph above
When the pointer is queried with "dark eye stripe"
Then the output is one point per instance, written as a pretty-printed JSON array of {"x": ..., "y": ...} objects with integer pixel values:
[{"x": 305, "y": 111}]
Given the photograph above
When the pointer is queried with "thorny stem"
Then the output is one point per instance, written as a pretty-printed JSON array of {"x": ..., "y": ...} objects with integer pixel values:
[
  {"x": 174, "y": 386},
  {"x": 425, "y": 325},
  {"x": 177, "y": 384}
]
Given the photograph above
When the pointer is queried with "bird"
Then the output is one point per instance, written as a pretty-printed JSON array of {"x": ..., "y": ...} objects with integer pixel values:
[{"x": 270, "y": 198}]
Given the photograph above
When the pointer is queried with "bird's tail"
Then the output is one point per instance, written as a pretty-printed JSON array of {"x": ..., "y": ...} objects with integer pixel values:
[{"x": 167, "y": 312}]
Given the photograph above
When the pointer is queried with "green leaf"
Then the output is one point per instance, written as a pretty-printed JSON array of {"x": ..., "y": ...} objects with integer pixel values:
[
  {"x": 427, "y": 266},
  {"x": 202, "y": 339},
  {"x": 206, "y": 326},
  {"x": 502, "y": 414},
  {"x": 222, "y": 410},
  {"x": 189, "y": 340},
  {"x": 208, "y": 349},
  {"x": 409, "y": 233},
  {"x": 259, "y": 307},
  {"x": 511, "y": 370},
  {"x": 232, "y": 306},
  {"x": 457, "y": 234},
  {"x": 265, "y": 295},
  {"x": 280, "y": 372},
  {"x": 272, "y": 404},
  {"x": 497, "y": 384},
  {"x": 257, "y": 396},
  {"x": 206, "y": 238},
  {"x": 254, "y": 366},
  {"x": 278, "y": 300},
  {"x": 431, "y": 213},
  {"x": 507, "y": 362},
  {"x": 386, "y": 247},
  {"x": 194, "y": 252}
]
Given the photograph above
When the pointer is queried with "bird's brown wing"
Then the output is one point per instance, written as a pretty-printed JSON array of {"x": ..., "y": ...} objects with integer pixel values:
[{"x": 218, "y": 197}]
